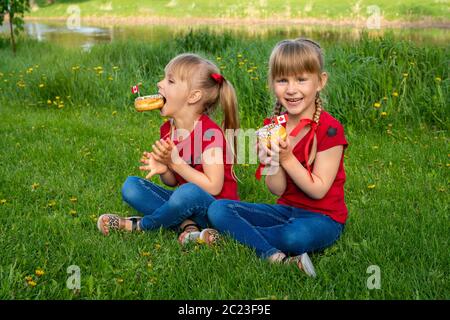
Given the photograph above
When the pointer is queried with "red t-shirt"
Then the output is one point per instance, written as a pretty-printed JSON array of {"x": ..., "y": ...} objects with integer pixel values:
[
  {"x": 206, "y": 134},
  {"x": 330, "y": 133}
]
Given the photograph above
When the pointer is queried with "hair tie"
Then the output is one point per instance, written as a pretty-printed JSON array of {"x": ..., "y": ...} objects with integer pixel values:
[{"x": 217, "y": 78}]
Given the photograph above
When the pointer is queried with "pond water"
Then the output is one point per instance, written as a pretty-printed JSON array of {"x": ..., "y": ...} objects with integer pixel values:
[{"x": 85, "y": 36}]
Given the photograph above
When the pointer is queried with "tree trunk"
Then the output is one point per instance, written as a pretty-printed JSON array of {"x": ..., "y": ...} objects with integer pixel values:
[{"x": 13, "y": 43}]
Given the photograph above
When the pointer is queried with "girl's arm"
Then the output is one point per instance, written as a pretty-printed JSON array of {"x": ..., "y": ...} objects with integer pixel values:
[
  {"x": 168, "y": 178},
  {"x": 211, "y": 180},
  {"x": 326, "y": 166},
  {"x": 276, "y": 182},
  {"x": 275, "y": 175}
]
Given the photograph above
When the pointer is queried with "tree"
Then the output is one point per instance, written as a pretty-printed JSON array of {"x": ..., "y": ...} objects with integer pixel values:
[{"x": 15, "y": 10}]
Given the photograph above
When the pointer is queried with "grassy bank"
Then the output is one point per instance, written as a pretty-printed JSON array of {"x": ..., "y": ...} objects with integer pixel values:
[
  {"x": 411, "y": 10},
  {"x": 70, "y": 137}
]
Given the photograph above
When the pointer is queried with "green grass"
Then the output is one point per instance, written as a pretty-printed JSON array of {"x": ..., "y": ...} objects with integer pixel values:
[
  {"x": 267, "y": 10},
  {"x": 85, "y": 149}
]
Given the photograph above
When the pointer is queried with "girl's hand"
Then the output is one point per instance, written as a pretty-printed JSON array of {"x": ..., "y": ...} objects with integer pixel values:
[
  {"x": 283, "y": 149},
  {"x": 267, "y": 156},
  {"x": 166, "y": 152},
  {"x": 152, "y": 165}
]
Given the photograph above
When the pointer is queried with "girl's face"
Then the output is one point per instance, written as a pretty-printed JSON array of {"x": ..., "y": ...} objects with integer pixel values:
[
  {"x": 176, "y": 93},
  {"x": 298, "y": 93}
]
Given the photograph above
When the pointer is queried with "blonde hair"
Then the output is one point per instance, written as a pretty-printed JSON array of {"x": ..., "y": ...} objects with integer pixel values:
[
  {"x": 197, "y": 72},
  {"x": 294, "y": 57}
]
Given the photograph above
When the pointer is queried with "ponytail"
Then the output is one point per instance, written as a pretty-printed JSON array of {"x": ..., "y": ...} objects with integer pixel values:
[{"x": 229, "y": 104}]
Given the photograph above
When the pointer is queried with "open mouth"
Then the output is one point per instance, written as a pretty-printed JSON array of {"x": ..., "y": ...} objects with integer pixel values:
[
  {"x": 164, "y": 98},
  {"x": 293, "y": 100}
]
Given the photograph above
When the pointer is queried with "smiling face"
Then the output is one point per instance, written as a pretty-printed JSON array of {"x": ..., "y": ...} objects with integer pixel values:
[
  {"x": 297, "y": 93},
  {"x": 295, "y": 75}
]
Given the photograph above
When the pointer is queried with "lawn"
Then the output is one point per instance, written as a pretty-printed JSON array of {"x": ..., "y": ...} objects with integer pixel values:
[
  {"x": 411, "y": 10},
  {"x": 70, "y": 137}
]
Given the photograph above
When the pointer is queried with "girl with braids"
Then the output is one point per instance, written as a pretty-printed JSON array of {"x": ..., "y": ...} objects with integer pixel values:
[
  {"x": 192, "y": 154},
  {"x": 306, "y": 171}
]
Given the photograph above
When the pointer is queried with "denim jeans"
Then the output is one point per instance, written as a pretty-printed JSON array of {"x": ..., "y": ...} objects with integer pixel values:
[
  {"x": 166, "y": 208},
  {"x": 270, "y": 228}
]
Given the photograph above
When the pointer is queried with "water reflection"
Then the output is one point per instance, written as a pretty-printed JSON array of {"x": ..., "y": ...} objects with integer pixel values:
[{"x": 87, "y": 36}]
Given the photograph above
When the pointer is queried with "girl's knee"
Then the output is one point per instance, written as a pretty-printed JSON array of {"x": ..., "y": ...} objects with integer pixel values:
[
  {"x": 130, "y": 189},
  {"x": 218, "y": 210},
  {"x": 185, "y": 194}
]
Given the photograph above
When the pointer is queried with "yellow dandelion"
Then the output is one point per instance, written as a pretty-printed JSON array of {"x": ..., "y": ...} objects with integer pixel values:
[
  {"x": 32, "y": 284},
  {"x": 51, "y": 203},
  {"x": 114, "y": 113},
  {"x": 110, "y": 78},
  {"x": 28, "y": 278},
  {"x": 395, "y": 94},
  {"x": 34, "y": 186},
  {"x": 73, "y": 199},
  {"x": 241, "y": 63},
  {"x": 3, "y": 201},
  {"x": 145, "y": 253},
  {"x": 441, "y": 189},
  {"x": 438, "y": 79},
  {"x": 385, "y": 98},
  {"x": 72, "y": 213},
  {"x": 39, "y": 272},
  {"x": 60, "y": 106},
  {"x": 383, "y": 114},
  {"x": 157, "y": 246},
  {"x": 119, "y": 280},
  {"x": 377, "y": 105},
  {"x": 371, "y": 186},
  {"x": 57, "y": 97},
  {"x": 250, "y": 70},
  {"x": 41, "y": 85},
  {"x": 405, "y": 75},
  {"x": 218, "y": 58},
  {"x": 200, "y": 241}
]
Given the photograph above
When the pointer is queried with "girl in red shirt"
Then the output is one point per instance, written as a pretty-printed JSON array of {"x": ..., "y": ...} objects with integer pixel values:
[
  {"x": 306, "y": 171},
  {"x": 192, "y": 153}
]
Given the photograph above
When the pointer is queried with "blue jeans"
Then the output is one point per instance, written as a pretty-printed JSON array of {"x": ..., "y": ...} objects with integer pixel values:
[
  {"x": 271, "y": 228},
  {"x": 166, "y": 208}
]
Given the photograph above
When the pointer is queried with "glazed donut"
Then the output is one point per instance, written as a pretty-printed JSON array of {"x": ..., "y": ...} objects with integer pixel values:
[
  {"x": 271, "y": 132},
  {"x": 147, "y": 103}
]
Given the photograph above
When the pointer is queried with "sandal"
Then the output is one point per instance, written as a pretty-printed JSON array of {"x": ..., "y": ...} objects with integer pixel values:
[
  {"x": 208, "y": 236},
  {"x": 114, "y": 223},
  {"x": 303, "y": 263},
  {"x": 189, "y": 233}
]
